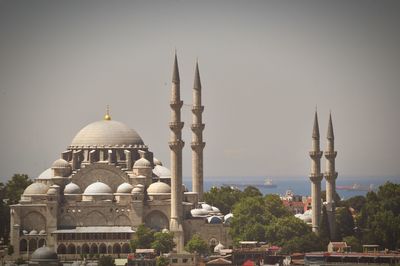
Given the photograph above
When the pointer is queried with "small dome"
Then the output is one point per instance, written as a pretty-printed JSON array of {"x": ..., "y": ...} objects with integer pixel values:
[
  {"x": 72, "y": 188},
  {"x": 124, "y": 188},
  {"x": 52, "y": 191},
  {"x": 24, "y": 232},
  {"x": 214, "y": 220},
  {"x": 228, "y": 218},
  {"x": 206, "y": 207},
  {"x": 156, "y": 161},
  {"x": 97, "y": 188},
  {"x": 161, "y": 171},
  {"x": 198, "y": 212},
  {"x": 60, "y": 163},
  {"x": 36, "y": 188},
  {"x": 33, "y": 232},
  {"x": 44, "y": 254},
  {"x": 136, "y": 190},
  {"x": 218, "y": 247},
  {"x": 142, "y": 163},
  {"x": 165, "y": 230},
  {"x": 215, "y": 209},
  {"x": 42, "y": 232},
  {"x": 159, "y": 187}
]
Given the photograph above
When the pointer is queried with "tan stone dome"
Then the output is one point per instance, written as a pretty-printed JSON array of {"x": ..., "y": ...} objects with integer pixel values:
[
  {"x": 60, "y": 163},
  {"x": 97, "y": 188},
  {"x": 159, "y": 188},
  {"x": 44, "y": 254},
  {"x": 72, "y": 188},
  {"x": 107, "y": 133},
  {"x": 36, "y": 188},
  {"x": 124, "y": 188}
]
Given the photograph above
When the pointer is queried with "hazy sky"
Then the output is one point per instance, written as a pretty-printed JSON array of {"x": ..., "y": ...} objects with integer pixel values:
[{"x": 264, "y": 66}]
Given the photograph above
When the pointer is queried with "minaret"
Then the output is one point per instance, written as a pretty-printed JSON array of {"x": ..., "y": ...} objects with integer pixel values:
[
  {"x": 176, "y": 144},
  {"x": 197, "y": 137},
  {"x": 330, "y": 176},
  {"x": 315, "y": 177}
]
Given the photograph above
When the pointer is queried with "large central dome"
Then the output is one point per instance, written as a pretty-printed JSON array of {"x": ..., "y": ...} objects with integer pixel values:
[{"x": 107, "y": 133}]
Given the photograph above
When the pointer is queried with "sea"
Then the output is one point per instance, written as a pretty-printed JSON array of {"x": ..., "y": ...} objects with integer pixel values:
[{"x": 298, "y": 185}]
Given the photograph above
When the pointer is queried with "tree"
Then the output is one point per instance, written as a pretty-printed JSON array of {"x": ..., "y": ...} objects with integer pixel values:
[
  {"x": 274, "y": 206},
  {"x": 106, "y": 261},
  {"x": 344, "y": 222},
  {"x": 162, "y": 261},
  {"x": 280, "y": 230},
  {"x": 10, "y": 194},
  {"x": 354, "y": 242},
  {"x": 250, "y": 215},
  {"x": 251, "y": 191},
  {"x": 306, "y": 243},
  {"x": 336, "y": 198},
  {"x": 10, "y": 250},
  {"x": 356, "y": 202},
  {"x": 163, "y": 242},
  {"x": 143, "y": 238},
  {"x": 223, "y": 197},
  {"x": 197, "y": 245}
]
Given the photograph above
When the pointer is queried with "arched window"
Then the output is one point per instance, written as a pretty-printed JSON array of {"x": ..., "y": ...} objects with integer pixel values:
[
  {"x": 102, "y": 248},
  {"x": 61, "y": 249},
  {"x": 23, "y": 245},
  {"x": 126, "y": 248},
  {"x": 117, "y": 248},
  {"x": 109, "y": 250},
  {"x": 94, "y": 249},
  {"x": 71, "y": 249},
  {"x": 78, "y": 249},
  {"x": 85, "y": 249},
  {"x": 32, "y": 244}
]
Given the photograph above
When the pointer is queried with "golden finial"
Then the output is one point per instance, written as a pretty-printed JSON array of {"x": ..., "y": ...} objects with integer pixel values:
[{"x": 107, "y": 115}]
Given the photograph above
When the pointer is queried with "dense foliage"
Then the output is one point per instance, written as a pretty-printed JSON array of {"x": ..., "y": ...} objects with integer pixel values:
[
  {"x": 379, "y": 220},
  {"x": 106, "y": 261},
  {"x": 266, "y": 219},
  {"x": 225, "y": 197},
  {"x": 163, "y": 242},
  {"x": 10, "y": 193},
  {"x": 197, "y": 245}
]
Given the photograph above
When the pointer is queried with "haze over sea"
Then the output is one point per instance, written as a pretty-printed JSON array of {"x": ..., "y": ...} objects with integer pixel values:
[{"x": 299, "y": 185}]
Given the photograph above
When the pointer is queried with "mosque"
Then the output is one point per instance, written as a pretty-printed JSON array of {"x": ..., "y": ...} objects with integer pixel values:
[{"x": 107, "y": 182}]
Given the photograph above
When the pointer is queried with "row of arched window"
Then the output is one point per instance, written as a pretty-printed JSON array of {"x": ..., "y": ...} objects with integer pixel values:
[
  {"x": 31, "y": 245},
  {"x": 93, "y": 249}
]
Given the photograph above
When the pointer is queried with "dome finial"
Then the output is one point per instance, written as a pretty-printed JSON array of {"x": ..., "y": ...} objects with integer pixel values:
[{"x": 107, "y": 115}]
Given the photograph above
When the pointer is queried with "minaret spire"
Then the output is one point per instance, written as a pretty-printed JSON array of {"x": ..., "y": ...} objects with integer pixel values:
[
  {"x": 315, "y": 176},
  {"x": 176, "y": 145},
  {"x": 197, "y": 137},
  {"x": 330, "y": 177}
]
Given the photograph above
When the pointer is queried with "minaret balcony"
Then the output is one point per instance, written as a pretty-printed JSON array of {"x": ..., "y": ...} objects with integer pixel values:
[
  {"x": 316, "y": 177},
  {"x": 176, "y": 145},
  {"x": 331, "y": 176},
  {"x": 197, "y": 109},
  {"x": 176, "y": 104},
  {"x": 197, "y": 128},
  {"x": 315, "y": 154},
  {"x": 198, "y": 145},
  {"x": 175, "y": 126},
  {"x": 330, "y": 154}
]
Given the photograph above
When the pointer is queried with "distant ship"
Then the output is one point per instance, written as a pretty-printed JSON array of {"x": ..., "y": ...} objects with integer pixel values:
[
  {"x": 356, "y": 187},
  {"x": 268, "y": 184}
]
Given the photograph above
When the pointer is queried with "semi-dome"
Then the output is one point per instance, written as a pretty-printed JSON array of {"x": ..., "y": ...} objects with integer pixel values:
[
  {"x": 60, "y": 163},
  {"x": 97, "y": 188},
  {"x": 107, "y": 133},
  {"x": 124, "y": 188},
  {"x": 156, "y": 161},
  {"x": 46, "y": 174},
  {"x": 206, "y": 207},
  {"x": 214, "y": 220},
  {"x": 33, "y": 232},
  {"x": 161, "y": 171},
  {"x": 36, "y": 188},
  {"x": 159, "y": 187},
  {"x": 72, "y": 188},
  {"x": 44, "y": 254}
]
